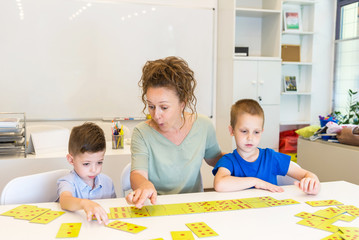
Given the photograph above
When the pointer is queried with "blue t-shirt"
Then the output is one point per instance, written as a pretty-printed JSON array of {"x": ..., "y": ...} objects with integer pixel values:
[
  {"x": 78, "y": 188},
  {"x": 267, "y": 167}
]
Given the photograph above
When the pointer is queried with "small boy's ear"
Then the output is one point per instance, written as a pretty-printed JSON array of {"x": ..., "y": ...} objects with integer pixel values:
[
  {"x": 70, "y": 159},
  {"x": 230, "y": 129}
]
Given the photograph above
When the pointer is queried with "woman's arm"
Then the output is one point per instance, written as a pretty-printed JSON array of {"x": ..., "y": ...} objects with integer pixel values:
[
  {"x": 213, "y": 161},
  {"x": 143, "y": 189}
]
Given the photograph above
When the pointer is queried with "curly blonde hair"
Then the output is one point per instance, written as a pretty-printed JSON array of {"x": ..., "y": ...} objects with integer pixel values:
[{"x": 173, "y": 73}]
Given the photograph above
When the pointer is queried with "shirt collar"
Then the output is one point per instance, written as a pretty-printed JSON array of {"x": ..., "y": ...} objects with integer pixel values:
[{"x": 83, "y": 185}]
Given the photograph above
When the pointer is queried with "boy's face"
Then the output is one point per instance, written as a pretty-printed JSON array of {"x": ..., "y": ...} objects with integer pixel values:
[
  {"x": 247, "y": 132},
  {"x": 87, "y": 165}
]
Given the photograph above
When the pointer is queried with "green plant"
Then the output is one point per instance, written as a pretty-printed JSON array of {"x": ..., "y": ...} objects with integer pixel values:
[{"x": 351, "y": 116}]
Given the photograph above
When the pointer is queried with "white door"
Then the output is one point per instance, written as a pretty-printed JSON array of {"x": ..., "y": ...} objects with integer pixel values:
[
  {"x": 270, "y": 137},
  {"x": 269, "y": 82},
  {"x": 245, "y": 80}
]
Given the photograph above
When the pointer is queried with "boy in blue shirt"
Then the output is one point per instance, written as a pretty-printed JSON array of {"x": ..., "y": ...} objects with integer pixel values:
[
  {"x": 249, "y": 166},
  {"x": 87, "y": 147}
]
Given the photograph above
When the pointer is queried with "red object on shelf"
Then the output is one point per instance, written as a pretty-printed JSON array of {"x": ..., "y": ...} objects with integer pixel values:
[{"x": 288, "y": 141}]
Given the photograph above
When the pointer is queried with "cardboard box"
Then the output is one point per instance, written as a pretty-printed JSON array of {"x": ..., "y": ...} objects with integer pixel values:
[{"x": 291, "y": 53}]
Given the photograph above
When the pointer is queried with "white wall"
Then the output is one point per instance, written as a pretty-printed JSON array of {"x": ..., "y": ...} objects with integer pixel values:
[{"x": 323, "y": 59}]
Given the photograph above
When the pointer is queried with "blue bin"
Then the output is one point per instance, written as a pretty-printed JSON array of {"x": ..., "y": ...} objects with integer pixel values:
[{"x": 324, "y": 122}]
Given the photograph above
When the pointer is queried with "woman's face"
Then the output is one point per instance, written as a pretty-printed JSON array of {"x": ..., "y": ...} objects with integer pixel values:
[{"x": 164, "y": 107}]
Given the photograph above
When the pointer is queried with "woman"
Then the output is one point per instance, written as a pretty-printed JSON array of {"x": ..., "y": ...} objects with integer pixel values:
[{"x": 168, "y": 149}]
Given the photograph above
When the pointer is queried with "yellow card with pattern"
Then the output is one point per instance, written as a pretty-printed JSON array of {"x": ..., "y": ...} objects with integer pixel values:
[
  {"x": 352, "y": 210},
  {"x": 120, "y": 212},
  {"x": 323, "y": 203},
  {"x": 69, "y": 230},
  {"x": 349, "y": 232},
  {"x": 32, "y": 213},
  {"x": 47, "y": 217},
  {"x": 305, "y": 215},
  {"x": 156, "y": 210},
  {"x": 201, "y": 229},
  {"x": 334, "y": 236},
  {"x": 258, "y": 199},
  {"x": 328, "y": 227},
  {"x": 127, "y": 227},
  {"x": 182, "y": 235},
  {"x": 210, "y": 209},
  {"x": 259, "y": 204},
  {"x": 311, "y": 222},
  {"x": 138, "y": 212},
  {"x": 289, "y": 201},
  {"x": 345, "y": 217},
  {"x": 18, "y": 210},
  {"x": 242, "y": 205},
  {"x": 329, "y": 212}
]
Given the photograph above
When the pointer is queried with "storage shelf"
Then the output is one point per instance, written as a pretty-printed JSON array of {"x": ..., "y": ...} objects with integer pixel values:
[
  {"x": 298, "y": 33},
  {"x": 253, "y": 12},
  {"x": 299, "y": 2},
  {"x": 298, "y": 63},
  {"x": 297, "y": 93},
  {"x": 256, "y": 58}
]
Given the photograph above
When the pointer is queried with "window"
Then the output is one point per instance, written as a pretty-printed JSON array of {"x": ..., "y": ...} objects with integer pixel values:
[{"x": 346, "y": 52}]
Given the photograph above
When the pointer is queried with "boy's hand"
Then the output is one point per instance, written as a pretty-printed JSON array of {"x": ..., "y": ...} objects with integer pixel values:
[
  {"x": 92, "y": 208},
  {"x": 268, "y": 186},
  {"x": 309, "y": 185},
  {"x": 139, "y": 196}
]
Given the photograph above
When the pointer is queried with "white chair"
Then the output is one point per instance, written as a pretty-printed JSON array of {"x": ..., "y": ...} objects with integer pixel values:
[
  {"x": 125, "y": 179},
  {"x": 286, "y": 180},
  {"x": 34, "y": 188}
]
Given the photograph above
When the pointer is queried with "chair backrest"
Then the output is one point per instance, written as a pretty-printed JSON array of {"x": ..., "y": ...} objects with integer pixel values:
[
  {"x": 34, "y": 188},
  {"x": 286, "y": 180},
  {"x": 125, "y": 179}
]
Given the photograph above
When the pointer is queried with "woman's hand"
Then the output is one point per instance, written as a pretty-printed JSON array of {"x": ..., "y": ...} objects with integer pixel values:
[{"x": 144, "y": 189}]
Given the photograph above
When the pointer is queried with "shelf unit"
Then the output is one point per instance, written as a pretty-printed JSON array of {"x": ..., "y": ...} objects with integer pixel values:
[
  {"x": 295, "y": 108},
  {"x": 255, "y": 24},
  {"x": 12, "y": 133}
]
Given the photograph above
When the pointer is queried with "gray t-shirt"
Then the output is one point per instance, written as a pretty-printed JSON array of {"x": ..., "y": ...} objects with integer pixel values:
[{"x": 174, "y": 169}]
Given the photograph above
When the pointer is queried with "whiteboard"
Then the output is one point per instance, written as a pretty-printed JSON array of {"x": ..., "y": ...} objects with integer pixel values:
[{"x": 67, "y": 59}]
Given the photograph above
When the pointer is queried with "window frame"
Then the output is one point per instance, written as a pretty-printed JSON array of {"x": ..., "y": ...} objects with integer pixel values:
[{"x": 340, "y": 4}]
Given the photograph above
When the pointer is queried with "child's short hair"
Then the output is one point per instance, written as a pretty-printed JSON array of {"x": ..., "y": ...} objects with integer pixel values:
[
  {"x": 87, "y": 137},
  {"x": 242, "y": 106}
]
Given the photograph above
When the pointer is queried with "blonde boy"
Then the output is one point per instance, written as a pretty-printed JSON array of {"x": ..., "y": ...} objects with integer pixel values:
[
  {"x": 87, "y": 147},
  {"x": 249, "y": 166}
]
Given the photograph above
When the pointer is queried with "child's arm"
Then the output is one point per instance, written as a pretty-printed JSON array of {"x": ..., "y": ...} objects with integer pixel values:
[
  {"x": 224, "y": 182},
  {"x": 308, "y": 181},
  {"x": 68, "y": 202},
  {"x": 143, "y": 189}
]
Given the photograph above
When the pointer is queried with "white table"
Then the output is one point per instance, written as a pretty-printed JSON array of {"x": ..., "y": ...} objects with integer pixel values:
[{"x": 264, "y": 223}]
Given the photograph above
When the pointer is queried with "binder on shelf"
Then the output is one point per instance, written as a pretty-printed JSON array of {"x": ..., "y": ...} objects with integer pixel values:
[{"x": 12, "y": 133}]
